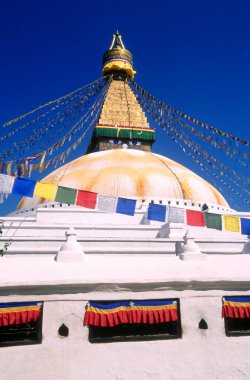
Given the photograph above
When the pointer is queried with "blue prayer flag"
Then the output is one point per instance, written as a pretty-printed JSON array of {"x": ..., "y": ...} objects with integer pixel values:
[
  {"x": 157, "y": 212},
  {"x": 245, "y": 226},
  {"x": 126, "y": 206},
  {"x": 23, "y": 186}
]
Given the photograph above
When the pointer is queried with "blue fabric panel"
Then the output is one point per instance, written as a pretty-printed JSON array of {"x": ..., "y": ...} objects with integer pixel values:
[
  {"x": 157, "y": 212},
  {"x": 245, "y": 226},
  {"x": 126, "y": 206},
  {"x": 23, "y": 186}
]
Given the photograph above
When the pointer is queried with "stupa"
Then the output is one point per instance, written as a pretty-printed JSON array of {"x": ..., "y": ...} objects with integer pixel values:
[
  {"x": 119, "y": 160},
  {"x": 95, "y": 295}
]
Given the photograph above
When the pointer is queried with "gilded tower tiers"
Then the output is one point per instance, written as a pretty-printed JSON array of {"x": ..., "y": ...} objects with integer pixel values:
[{"x": 122, "y": 122}]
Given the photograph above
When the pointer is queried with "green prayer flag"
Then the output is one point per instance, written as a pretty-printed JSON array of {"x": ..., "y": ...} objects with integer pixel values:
[
  {"x": 66, "y": 195},
  {"x": 213, "y": 220}
]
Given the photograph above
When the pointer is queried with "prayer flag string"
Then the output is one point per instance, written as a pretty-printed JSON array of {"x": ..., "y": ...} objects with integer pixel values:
[
  {"x": 53, "y": 108},
  {"x": 210, "y": 164},
  {"x": 224, "y": 146},
  {"x": 156, "y": 212},
  {"x": 208, "y": 158},
  {"x": 71, "y": 112},
  {"x": 95, "y": 111},
  {"x": 175, "y": 136},
  {"x": 193, "y": 120},
  {"x": 231, "y": 152},
  {"x": 27, "y": 165},
  {"x": 8, "y": 123}
]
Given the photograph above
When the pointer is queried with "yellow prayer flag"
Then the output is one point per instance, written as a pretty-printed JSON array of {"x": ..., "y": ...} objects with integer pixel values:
[
  {"x": 45, "y": 190},
  {"x": 9, "y": 168},
  {"x": 42, "y": 162},
  {"x": 231, "y": 223}
]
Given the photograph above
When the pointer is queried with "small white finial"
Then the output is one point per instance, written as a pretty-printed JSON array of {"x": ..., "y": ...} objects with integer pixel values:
[
  {"x": 70, "y": 251},
  {"x": 191, "y": 251},
  {"x": 178, "y": 248},
  {"x": 70, "y": 232}
]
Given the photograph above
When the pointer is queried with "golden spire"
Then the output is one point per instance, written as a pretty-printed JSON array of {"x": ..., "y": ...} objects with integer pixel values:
[
  {"x": 117, "y": 42},
  {"x": 117, "y": 61},
  {"x": 122, "y": 122}
]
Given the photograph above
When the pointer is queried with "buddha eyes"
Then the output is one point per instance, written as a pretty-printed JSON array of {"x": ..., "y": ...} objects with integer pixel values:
[
  {"x": 115, "y": 141},
  {"x": 134, "y": 142},
  {"x": 119, "y": 142}
]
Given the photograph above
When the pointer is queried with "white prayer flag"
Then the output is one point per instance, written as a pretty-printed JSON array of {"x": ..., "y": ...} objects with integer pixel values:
[
  {"x": 106, "y": 203},
  {"x": 176, "y": 215},
  {"x": 6, "y": 183}
]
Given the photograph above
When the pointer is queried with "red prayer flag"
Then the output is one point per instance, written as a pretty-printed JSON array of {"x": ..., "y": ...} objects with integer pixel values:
[
  {"x": 195, "y": 218},
  {"x": 86, "y": 199}
]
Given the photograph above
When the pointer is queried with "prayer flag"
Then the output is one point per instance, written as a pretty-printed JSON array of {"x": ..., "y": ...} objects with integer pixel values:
[
  {"x": 157, "y": 212},
  {"x": 231, "y": 223},
  {"x": 126, "y": 206},
  {"x": 6, "y": 183},
  {"x": 9, "y": 168},
  {"x": 45, "y": 190},
  {"x": 213, "y": 220},
  {"x": 106, "y": 203},
  {"x": 245, "y": 226},
  {"x": 42, "y": 162},
  {"x": 66, "y": 195},
  {"x": 86, "y": 199},
  {"x": 195, "y": 218},
  {"x": 30, "y": 169},
  {"x": 23, "y": 186},
  {"x": 176, "y": 215}
]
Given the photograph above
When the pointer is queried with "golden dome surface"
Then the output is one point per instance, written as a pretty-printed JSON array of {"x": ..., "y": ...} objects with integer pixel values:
[{"x": 132, "y": 174}]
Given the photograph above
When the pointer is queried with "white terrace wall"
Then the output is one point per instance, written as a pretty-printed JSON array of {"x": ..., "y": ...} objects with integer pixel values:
[
  {"x": 123, "y": 259},
  {"x": 200, "y": 354}
]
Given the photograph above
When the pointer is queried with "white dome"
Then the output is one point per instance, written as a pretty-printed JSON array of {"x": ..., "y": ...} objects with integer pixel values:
[{"x": 132, "y": 174}]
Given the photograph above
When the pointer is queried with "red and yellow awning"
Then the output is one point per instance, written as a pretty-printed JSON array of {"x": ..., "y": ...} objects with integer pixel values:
[
  {"x": 128, "y": 312},
  {"x": 17, "y": 313},
  {"x": 236, "y": 307}
]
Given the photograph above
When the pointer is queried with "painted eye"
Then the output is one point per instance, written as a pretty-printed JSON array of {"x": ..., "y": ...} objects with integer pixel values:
[
  {"x": 115, "y": 141},
  {"x": 134, "y": 142}
]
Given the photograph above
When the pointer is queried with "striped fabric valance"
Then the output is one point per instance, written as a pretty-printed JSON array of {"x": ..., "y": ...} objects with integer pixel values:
[
  {"x": 17, "y": 313},
  {"x": 138, "y": 133},
  {"x": 141, "y": 312},
  {"x": 236, "y": 307}
]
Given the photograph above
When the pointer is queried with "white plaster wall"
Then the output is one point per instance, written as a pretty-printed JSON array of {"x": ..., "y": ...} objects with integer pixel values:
[
  {"x": 144, "y": 270},
  {"x": 199, "y": 354}
]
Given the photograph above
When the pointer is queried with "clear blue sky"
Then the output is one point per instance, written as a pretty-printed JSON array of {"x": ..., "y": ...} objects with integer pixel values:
[{"x": 194, "y": 55}]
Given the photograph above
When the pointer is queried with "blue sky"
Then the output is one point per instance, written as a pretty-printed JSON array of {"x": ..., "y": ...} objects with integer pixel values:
[{"x": 194, "y": 55}]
